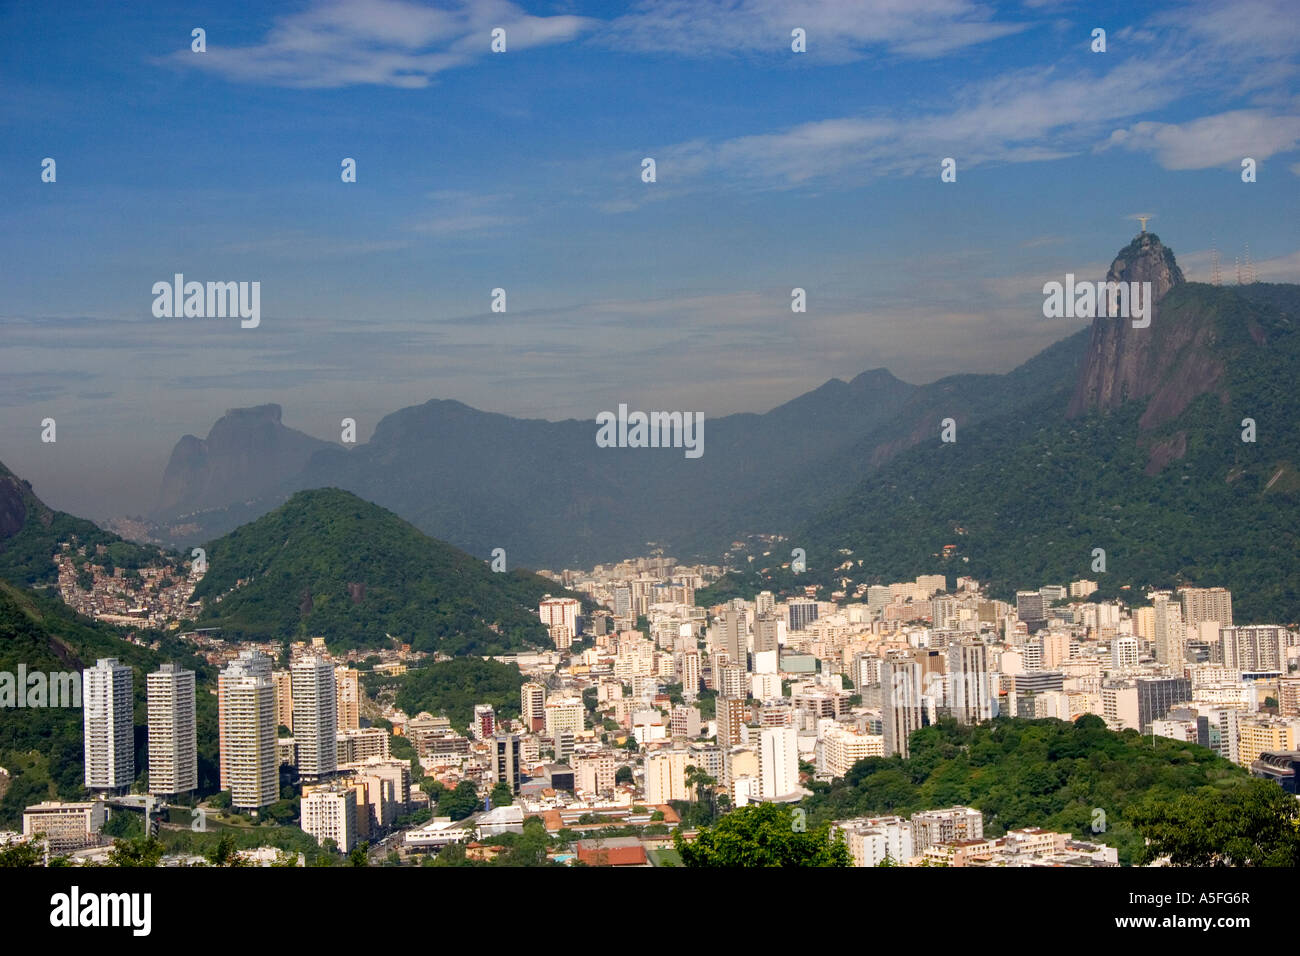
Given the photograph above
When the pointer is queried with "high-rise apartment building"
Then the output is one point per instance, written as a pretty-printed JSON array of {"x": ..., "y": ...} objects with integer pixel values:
[
  {"x": 560, "y": 611},
  {"x": 247, "y": 731},
  {"x": 730, "y": 637},
  {"x": 1168, "y": 637},
  {"x": 594, "y": 773},
  {"x": 1124, "y": 652},
  {"x": 765, "y": 633},
  {"x": 532, "y": 706},
  {"x": 249, "y": 664},
  {"x": 565, "y": 714},
  {"x": 731, "y": 714},
  {"x": 348, "y": 698},
  {"x": 108, "y": 702},
  {"x": 733, "y": 681},
  {"x": 315, "y": 719},
  {"x": 690, "y": 674},
  {"x": 841, "y": 747},
  {"x": 506, "y": 760},
  {"x": 970, "y": 694},
  {"x": 484, "y": 726},
  {"x": 778, "y": 762},
  {"x": 1255, "y": 648},
  {"x": 952, "y": 825},
  {"x": 173, "y": 750},
  {"x": 283, "y": 683},
  {"x": 1206, "y": 604},
  {"x": 901, "y": 705}
]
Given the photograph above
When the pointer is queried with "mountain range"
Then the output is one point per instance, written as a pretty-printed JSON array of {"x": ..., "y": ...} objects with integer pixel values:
[
  {"x": 1122, "y": 438},
  {"x": 547, "y": 494}
]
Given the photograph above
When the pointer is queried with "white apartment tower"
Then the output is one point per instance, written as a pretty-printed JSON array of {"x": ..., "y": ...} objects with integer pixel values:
[
  {"x": 173, "y": 752},
  {"x": 778, "y": 762},
  {"x": 107, "y": 698},
  {"x": 970, "y": 697},
  {"x": 247, "y": 664},
  {"x": 315, "y": 720},
  {"x": 532, "y": 706},
  {"x": 246, "y": 703},
  {"x": 1168, "y": 637},
  {"x": 901, "y": 704}
]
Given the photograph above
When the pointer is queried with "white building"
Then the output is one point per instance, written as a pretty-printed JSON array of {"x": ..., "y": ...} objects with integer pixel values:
[
  {"x": 248, "y": 733},
  {"x": 107, "y": 721},
  {"x": 564, "y": 714},
  {"x": 315, "y": 719},
  {"x": 665, "y": 776},
  {"x": 560, "y": 611},
  {"x": 67, "y": 826},
  {"x": 778, "y": 762},
  {"x": 173, "y": 752},
  {"x": 841, "y": 747},
  {"x": 330, "y": 813},
  {"x": 872, "y": 839}
]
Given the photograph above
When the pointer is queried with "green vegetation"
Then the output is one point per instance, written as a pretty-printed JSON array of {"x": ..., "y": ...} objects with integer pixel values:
[
  {"x": 27, "y": 553},
  {"x": 1254, "y": 824},
  {"x": 762, "y": 834},
  {"x": 453, "y": 688},
  {"x": 1039, "y": 773},
  {"x": 42, "y": 746},
  {"x": 327, "y": 562}
]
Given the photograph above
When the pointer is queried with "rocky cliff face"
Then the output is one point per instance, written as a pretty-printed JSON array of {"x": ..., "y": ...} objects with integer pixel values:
[
  {"x": 246, "y": 454},
  {"x": 13, "y": 507},
  {"x": 1126, "y": 363}
]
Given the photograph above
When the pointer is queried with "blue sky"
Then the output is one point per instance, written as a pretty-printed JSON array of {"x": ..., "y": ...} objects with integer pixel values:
[{"x": 521, "y": 170}]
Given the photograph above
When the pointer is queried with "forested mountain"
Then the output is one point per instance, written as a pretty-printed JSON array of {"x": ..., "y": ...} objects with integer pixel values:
[
  {"x": 328, "y": 563},
  {"x": 1143, "y": 457}
]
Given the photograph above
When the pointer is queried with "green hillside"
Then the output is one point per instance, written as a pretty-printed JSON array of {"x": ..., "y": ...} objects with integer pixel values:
[
  {"x": 328, "y": 563},
  {"x": 42, "y": 747},
  {"x": 1036, "y": 773},
  {"x": 31, "y": 532}
]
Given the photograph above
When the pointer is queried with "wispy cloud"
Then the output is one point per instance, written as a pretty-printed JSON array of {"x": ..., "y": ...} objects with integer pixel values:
[
  {"x": 1221, "y": 140},
  {"x": 836, "y": 30},
  {"x": 378, "y": 42},
  {"x": 457, "y": 213}
]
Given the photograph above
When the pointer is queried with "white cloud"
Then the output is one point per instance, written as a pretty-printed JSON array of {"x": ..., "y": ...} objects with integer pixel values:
[
  {"x": 1221, "y": 140},
  {"x": 837, "y": 30},
  {"x": 397, "y": 43},
  {"x": 1028, "y": 116}
]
